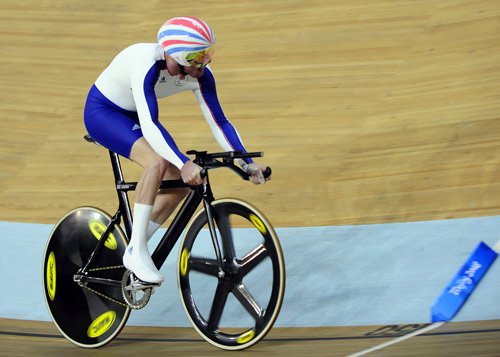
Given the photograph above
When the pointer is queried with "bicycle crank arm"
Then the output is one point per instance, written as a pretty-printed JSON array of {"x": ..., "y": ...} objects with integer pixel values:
[
  {"x": 139, "y": 285},
  {"x": 83, "y": 280}
]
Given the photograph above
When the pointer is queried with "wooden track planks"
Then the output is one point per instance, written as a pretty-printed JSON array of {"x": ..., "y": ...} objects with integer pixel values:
[
  {"x": 367, "y": 112},
  {"x": 31, "y": 338}
]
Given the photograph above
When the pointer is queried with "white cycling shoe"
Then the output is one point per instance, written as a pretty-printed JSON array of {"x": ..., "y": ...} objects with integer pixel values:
[{"x": 142, "y": 266}]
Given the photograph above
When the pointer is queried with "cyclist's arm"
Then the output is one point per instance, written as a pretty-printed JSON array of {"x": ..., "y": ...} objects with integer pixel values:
[
  {"x": 224, "y": 132},
  {"x": 157, "y": 136}
]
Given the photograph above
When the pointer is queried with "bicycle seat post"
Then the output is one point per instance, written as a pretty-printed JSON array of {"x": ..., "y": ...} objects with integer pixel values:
[{"x": 124, "y": 206}]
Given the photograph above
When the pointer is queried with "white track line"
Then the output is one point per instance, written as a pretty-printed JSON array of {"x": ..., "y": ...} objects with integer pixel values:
[
  {"x": 399, "y": 339},
  {"x": 496, "y": 248}
]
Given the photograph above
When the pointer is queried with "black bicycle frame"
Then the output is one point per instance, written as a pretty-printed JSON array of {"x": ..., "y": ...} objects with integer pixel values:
[
  {"x": 174, "y": 231},
  {"x": 191, "y": 203}
]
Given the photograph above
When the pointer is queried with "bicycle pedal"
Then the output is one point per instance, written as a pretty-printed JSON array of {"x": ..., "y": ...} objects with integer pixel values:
[
  {"x": 146, "y": 284},
  {"x": 137, "y": 284}
]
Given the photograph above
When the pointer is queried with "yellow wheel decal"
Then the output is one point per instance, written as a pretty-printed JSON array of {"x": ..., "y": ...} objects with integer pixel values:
[
  {"x": 98, "y": 228},
  {"x": 101, "y": 324},
  {"x": 245, "y": 337},
  {"x": 258, "y": 223},
  {"x": 184, "y": 261},
  {"x": 51, "y": 276}
]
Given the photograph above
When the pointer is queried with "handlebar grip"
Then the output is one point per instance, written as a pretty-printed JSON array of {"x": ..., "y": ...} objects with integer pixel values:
[{"x": 267, "y": 172}]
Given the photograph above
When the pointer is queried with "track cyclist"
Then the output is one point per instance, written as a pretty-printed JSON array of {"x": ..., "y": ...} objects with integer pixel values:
[{"x": 121, "y": 113}]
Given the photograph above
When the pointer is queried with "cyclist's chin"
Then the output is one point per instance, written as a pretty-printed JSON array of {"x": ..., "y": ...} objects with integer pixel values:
[{"x": 195, "y": 73}]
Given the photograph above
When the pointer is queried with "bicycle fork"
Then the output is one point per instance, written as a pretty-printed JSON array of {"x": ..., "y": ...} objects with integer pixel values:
[{"x": 207, "y": 200}]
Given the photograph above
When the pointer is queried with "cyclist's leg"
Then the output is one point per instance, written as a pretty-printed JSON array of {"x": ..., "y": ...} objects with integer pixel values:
[
  {"x": 167, "y": 200},
  {"x": 137, "y": 257},
  {"x": 119, "y": 131}
]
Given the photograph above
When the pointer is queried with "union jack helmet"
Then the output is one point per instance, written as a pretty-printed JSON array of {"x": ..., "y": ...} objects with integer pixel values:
[{"x": 188, "y": 40}]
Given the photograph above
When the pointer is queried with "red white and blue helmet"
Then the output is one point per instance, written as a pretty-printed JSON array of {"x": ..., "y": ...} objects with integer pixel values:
[{"x": 188, "y": 40}]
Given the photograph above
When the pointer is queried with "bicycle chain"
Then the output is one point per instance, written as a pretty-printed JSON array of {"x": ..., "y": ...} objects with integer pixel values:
[
  {"x": 101, "y": 294},
  {"x": 108, "y": 268}
]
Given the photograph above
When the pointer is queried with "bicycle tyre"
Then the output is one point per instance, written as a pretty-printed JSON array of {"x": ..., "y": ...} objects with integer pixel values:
[
  {"x": 235, "y": 292},
  {"x": 85, "y": 317}
]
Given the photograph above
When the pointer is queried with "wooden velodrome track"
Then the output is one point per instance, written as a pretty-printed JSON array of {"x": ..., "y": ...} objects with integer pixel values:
[{"x": 368, "y": 112}]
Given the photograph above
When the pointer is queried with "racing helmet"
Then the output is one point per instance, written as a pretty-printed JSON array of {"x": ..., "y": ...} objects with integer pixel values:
[{"x": 188, "y": 40}]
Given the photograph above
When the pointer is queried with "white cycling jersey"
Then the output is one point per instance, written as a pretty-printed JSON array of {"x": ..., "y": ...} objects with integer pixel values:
[{"x": 138, "y": 76}]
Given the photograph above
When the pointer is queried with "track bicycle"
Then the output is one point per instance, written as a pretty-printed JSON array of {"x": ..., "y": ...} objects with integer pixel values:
[{"x": 222, "y": 271}]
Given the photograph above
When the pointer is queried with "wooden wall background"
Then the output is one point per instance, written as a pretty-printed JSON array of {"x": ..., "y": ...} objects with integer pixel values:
[{"x": 367, "y": 111}]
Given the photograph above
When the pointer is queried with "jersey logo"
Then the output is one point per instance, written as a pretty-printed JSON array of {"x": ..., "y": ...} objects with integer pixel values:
[
  {"x": 136, "y": 127},
  {"x": 180, "y": 81}
]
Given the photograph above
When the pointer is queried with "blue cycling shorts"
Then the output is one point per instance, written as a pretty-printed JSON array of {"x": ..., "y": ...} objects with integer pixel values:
[{"x": 114, "y": 128}]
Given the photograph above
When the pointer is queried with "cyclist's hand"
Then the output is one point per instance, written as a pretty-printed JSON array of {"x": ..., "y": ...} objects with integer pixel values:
[
  {"x": 190, "y": 174},
  {"x": 255, "y": 171}
]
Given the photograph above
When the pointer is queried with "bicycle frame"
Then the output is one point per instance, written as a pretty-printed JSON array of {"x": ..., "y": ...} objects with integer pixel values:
[
  {"x": 174, "y": 231},
  {"x": 188, "y": 208}
]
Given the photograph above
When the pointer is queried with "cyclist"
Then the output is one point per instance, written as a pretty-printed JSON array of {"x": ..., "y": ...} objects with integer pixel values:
[{"x": 121, "y": 113}]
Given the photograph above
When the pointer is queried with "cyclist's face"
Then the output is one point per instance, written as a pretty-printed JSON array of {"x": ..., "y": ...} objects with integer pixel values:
[
  {"x": 175, "y": 68},
  {"x": 194, "y": 72}
]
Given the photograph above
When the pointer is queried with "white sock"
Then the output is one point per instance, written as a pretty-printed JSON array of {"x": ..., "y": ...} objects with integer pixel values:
[
  {"x": 137, "y": 257},
  {"x": 152, "y": 228}
]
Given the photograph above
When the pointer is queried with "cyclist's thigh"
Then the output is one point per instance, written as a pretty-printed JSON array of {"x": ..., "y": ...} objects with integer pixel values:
[
  {"x": 112, "y": 128},
  {"x": 143, "y": 154}
]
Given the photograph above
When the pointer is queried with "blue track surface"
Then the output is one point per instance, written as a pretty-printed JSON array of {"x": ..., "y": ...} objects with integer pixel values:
[{"x": 336, "y": 276}]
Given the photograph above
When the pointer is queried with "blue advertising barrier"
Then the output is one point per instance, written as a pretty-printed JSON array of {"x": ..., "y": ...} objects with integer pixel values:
[{"x": 463, "y": 283}]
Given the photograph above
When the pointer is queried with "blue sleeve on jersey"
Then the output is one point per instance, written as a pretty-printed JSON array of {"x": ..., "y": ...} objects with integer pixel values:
[
  {"x": 209, "y": 93},
  {"x": 149, "y": 91}
]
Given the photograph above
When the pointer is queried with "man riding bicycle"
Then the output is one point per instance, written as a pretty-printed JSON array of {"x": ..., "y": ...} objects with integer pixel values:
[{"x": 121, "y": 113}]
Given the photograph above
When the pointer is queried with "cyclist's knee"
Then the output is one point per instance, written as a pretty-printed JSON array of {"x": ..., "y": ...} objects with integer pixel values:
[
  {"x": 157, "y": 165},
  {"x": 143, "y": 154},
  {"x": 172, "y": 173}
]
